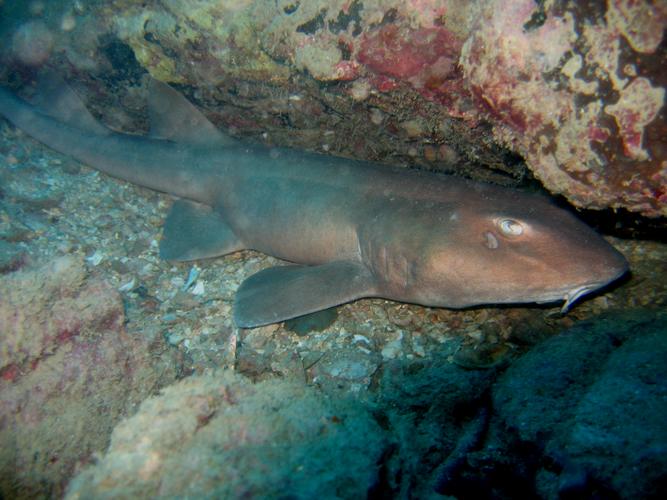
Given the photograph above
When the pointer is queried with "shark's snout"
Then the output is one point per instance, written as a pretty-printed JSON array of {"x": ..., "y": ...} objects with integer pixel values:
[{"x": 605, "y": 266}]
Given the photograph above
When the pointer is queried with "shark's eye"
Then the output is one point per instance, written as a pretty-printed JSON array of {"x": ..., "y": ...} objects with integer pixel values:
[{"x": 510, "y": 227}]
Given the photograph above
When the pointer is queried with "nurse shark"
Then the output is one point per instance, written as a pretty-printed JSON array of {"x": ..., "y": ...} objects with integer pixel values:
[{"x": 350, "y": 229}]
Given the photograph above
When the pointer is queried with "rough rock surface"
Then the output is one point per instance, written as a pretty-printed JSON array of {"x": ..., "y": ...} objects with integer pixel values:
[
  {"x": 67, "y": 369},
  {"x": 577, "y": 89},
  {"x": 430, "y": 407},
  {"x": 221, "y": 436},
  {"x": 583, "y": 414}
]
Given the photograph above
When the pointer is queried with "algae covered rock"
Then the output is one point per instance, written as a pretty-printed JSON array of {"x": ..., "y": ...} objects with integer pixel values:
[
  {"x": 222, "y": 436},
  {"x": 68, "y": 372},
  {"x": 577, "y": 90},
  {"x": 591, "y": 404}
]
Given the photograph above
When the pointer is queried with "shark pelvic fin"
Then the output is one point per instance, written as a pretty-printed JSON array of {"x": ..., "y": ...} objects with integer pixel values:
[
  {"x": 55, "y": 98},
  {"x": 194, "y": 231},
  {"x": 285, "y": 292},
  {"x": 173, "y": 117}
]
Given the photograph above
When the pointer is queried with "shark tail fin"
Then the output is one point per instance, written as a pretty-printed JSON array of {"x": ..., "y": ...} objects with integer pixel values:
[
  {"x": 173, "y": 117},
  {"x": 55, "y": 98}
]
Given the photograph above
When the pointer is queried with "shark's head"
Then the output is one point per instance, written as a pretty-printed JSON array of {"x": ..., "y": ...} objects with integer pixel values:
[{"x": 497, "y": 249}]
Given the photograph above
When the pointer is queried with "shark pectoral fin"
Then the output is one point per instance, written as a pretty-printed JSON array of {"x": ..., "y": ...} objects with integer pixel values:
[
  {"x": 173, "y": 117},
  {"x": 194, "y": 231},
  {"x": 285, "y": 292}
]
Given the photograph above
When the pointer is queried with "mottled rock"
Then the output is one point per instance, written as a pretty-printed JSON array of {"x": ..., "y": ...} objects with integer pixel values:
[
  {"x": 588, "y": 409},
  {"x": 222, "y": 436},
  {"x": 32, "y": 43},
  {"x": 345, "y": 367},
  {"x": 68, "y": 372},
  {"x": 621, "y": 419},
  {"x": 579, "y": 91},
  {"x": 429, "y": 406}
]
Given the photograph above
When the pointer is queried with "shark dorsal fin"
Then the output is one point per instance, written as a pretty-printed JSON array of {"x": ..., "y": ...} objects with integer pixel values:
[
  {"x": 173, "y": 117},
  {"x": 56, "y": 99}
]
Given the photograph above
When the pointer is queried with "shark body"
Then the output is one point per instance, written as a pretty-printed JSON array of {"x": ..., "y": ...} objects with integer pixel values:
[{"x": 354, "y": 229}]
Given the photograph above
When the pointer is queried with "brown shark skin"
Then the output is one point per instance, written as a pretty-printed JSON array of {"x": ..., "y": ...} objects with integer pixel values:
[{"x": 418, "y": 237}]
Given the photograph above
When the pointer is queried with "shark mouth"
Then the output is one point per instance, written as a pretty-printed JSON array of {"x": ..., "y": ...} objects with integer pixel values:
[{"x": 573, "y": 295}]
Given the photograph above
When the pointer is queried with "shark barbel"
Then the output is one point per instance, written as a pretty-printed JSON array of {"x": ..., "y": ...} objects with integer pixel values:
[{"x": 351, "y": 229}]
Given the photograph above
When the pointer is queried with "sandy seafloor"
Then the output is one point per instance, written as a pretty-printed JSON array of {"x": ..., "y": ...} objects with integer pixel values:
[{"x": 50, "y": 206}]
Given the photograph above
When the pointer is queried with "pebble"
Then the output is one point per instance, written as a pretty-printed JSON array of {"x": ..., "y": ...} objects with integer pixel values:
[
  {"x": 393, "y": 348},
  {"x": 347, "y": 364},
  {"x": 173, "y": 338}
]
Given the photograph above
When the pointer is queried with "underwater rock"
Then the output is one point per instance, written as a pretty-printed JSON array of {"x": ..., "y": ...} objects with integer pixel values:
[
  {"x": 32, "y": 43},
  {"x": 68, "y": 372},
  {"x": 585, "y": 412},
  {"x": 578, "y": 90},
  {"x": 221, "y": 436},
  {"x": 429, "y": 407},
  {"x": 351, "y": 367}
]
